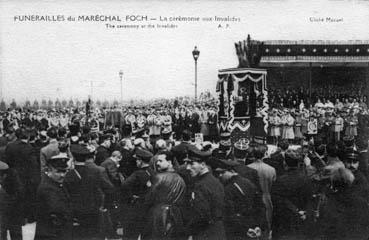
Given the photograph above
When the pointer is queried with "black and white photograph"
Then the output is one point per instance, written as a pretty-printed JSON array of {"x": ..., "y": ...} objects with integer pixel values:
[{"x": 184, "y": 119}]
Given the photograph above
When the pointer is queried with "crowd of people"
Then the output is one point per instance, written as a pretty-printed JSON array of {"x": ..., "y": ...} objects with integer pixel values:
[{"x": 139, "y": 173}]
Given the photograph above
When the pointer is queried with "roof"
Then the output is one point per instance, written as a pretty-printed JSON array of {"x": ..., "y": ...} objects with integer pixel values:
[{"x": 335, "y": 53}]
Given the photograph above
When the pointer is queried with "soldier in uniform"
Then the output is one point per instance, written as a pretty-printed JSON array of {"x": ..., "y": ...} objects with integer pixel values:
[
  {"x": 137, "y": 185},
  {"x": 54, "y": 211},
  {"x": 338, "y": 127},
  {"x": 141, "y": 120},
  {"x": 275, "y": 131},
  {"x": 352, "y": 122},
  {"x": 206, "y": 200}
]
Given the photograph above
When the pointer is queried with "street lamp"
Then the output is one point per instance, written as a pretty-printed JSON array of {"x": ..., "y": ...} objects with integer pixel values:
[
  {"x": 195, "y": 54},
  {"x": 121, "y": 87}
]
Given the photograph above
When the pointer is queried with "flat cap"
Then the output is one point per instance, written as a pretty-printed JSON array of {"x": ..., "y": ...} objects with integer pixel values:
[
  {"x": 195, "y": 155},
  {"x": 81, "y": 150},
  {"x": 143, "y": 155}
]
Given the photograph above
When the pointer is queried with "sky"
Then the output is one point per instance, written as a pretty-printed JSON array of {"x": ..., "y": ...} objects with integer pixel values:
[{"x": 52, "y": 60}]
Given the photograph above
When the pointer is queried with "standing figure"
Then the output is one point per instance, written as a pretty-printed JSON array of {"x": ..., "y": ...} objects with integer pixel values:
[
  {"x": 351, "y": 125},
  {"x": 54, "y": 211},
  {"x": 206, "y": 200},
  {"x": 267, "y": 175},
  {"x": 275, "y": 130},
  {"x": 204, "y": 117},
  {"x": 288, "y": 122}
]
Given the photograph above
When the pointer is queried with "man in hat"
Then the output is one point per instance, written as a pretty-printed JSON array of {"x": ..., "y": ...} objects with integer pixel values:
[
  {"x": 20, "y": 158},
  {"x": 244, "y": 209},
  {"x": 103, "y": 151},
  {"x": 51, "y": 149},
  {"x": 206, "y": 199},
  {"x": 224, "y": 150},
  {"x": 183, "y": 147},
  {"x": 87, "y": 187},
  {"x": 276, "y": 160},
  {"x": 54, "y": 211},
  {"x": 137, "y": 185},
  {"x": 360, "y": 186},
  {"x": 113, "y": 201}
]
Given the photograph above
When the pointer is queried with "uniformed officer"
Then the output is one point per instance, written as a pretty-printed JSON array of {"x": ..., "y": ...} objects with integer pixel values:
[
  {"x": 137, "y": 185},
  {"x": 88, "y": 187},
  {"x": 244, "y": 210},
  {"x": 206, "y": 199},
  {"x": 54, "y": 211}
]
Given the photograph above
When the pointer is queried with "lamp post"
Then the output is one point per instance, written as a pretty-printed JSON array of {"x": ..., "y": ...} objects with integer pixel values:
[
  {"x": 195, "y": 54},
  {"x": 121, "y": 87}
]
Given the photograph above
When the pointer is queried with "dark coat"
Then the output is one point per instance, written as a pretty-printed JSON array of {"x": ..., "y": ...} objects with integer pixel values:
[
  {"x": 102, "y": 153},
  {"x": 18, "y": 156},
  {"x": 12, "y": 204},
  {"x": 249, "y": 173},
  {"x": 136, "y": 187},
  {"x": 344, "y": 214},
  {"x": 128, "y": 163},
  {"x": 291, "y": 193},
  {"x": 86, "y": 184},
  {"x": 21, "y": 158},
  {"x": 363, "y": 163},
  {"x": 206, "y": 208},
  {"x": 277, "y": 161},
  {"x": 244, "y": 207},
  {"x": 113, "y": 171},
  {"x": 54, "y": 212}
]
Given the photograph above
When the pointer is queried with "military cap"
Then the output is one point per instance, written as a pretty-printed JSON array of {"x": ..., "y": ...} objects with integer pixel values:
[
  {"x": 143, "y": 155},
  {"x": 59, "y": 161},
  {"x": 195, "y": 155},
  {"x": 3, "y": 166},
  {"x": 240, "y": 148}
]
